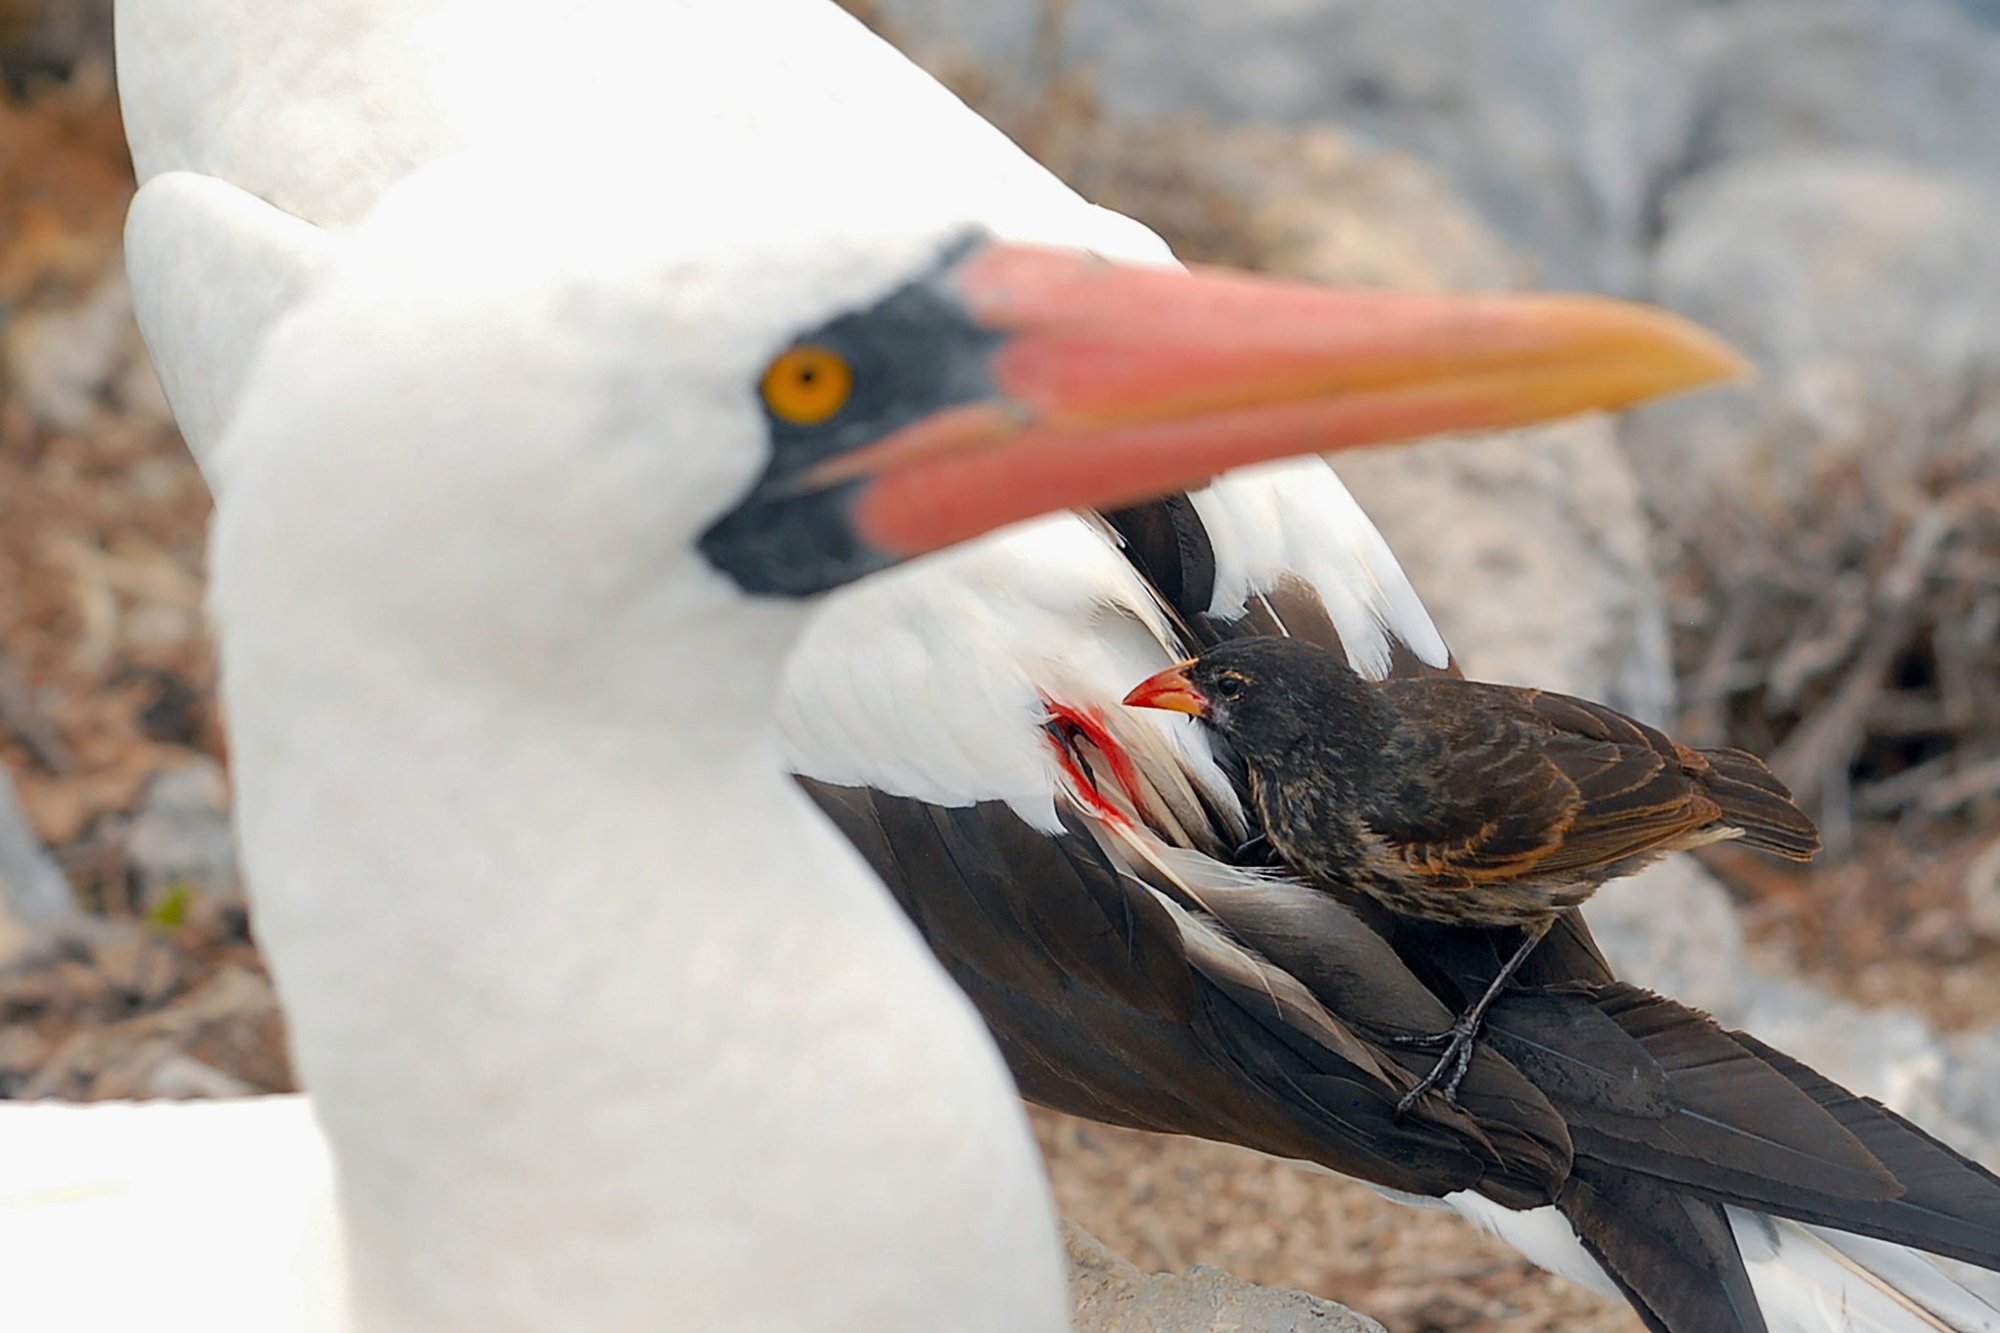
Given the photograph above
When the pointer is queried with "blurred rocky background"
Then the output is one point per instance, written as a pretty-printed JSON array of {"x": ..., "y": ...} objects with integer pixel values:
[{"x": 1808, "y": 565}]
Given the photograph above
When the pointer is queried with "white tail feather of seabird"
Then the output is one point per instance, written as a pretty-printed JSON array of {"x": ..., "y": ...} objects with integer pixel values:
[{"x": 1812, "y": 1280}]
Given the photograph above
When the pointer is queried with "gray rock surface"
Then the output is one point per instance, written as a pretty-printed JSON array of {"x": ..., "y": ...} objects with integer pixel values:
[
  {"x": 1866, "y": 290},
  {"x": 33, "y": 892},
  {"x": 180, "y": 834},
  {"x": 1542, "y": 574},
  {"x": 1552, "y": 117},
  {"x": 1562, "y": 121},
  {"x": 1969, "y": 1087},
  {"x": 1111, "y": 1296},
  {"x": 1319, "y": 203},
  {"x": 1916, "y": 79},
  {"x": 1672, "y": 928}
]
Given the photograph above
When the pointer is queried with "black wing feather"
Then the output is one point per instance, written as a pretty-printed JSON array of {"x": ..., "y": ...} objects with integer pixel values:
[
  {"x": 1088, "y": 986},
  {"x": 1674, "y": 1257},
  {"x": 1119, "y": 1024}
]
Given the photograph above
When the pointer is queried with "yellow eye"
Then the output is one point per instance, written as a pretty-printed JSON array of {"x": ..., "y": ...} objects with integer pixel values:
[{"x": 807, "y": 385}]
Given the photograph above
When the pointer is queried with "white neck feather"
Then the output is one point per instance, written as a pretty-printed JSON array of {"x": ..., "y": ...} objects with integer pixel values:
[
  {"x": 607, "y": 1029},
  {"x": 605, "y": 1026}
]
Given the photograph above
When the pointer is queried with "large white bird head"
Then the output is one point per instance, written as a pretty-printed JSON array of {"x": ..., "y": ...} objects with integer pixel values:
[{"x": 513, "y": 415}]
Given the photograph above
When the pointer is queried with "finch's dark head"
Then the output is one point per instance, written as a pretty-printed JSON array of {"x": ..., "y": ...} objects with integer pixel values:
[{"x": 1265, "y": 695}]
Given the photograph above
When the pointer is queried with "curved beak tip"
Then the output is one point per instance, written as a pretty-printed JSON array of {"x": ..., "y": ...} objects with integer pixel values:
[{"x": 1686, "y": 354}]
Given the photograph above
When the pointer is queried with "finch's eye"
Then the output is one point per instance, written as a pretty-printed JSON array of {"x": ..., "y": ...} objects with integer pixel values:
[
  {"x": 1229, "y": 687},
  {"x": 808, "y": 385}
]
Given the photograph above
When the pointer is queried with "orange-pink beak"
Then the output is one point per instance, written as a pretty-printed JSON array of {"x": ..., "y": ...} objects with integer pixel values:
[
  {"x": 1116, "y": 383},
  {"x": 1170, "y": 689}
]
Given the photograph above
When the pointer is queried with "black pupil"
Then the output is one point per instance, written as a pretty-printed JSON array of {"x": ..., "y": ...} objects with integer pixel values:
[
  {"x": 1231, "y": 687},
  {"x": 807, "y": 374}
]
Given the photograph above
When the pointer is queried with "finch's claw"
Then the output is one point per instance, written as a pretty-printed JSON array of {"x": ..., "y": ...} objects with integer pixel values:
[{"x": 1458, "y": 1042}]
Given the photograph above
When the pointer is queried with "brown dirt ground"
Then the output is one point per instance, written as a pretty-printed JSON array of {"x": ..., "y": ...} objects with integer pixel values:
[{"x": 1168, "y": 1204}]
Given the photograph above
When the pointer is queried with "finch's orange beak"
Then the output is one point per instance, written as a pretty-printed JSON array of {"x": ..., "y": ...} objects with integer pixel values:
[{"x": 1170, "y": 689}]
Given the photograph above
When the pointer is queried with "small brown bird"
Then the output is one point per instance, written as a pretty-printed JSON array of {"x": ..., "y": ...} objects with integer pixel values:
[{"x": 1464, "y": 803}]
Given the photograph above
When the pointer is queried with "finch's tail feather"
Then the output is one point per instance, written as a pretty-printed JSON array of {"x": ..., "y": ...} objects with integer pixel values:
[{"x": 1755, "y": 801}]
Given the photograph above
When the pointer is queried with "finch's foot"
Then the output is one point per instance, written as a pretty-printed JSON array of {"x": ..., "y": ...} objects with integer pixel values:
[
  {"x": 1458, "y": 1042},
  {"x": 1458, "y": 1039}
]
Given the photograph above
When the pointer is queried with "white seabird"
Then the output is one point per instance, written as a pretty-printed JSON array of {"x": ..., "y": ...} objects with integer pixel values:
[
  {"x": 603, "y": 1023},
  {"x": 264, "y": 139}
]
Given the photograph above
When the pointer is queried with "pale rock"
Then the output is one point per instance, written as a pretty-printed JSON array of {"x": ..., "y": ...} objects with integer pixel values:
[
  {"x": 1890, "y": 1053},
  {"x": 1982, "y": 892},
  {"x": 180, "y": 834},
  {"x": 1915, "y": 79},
  {"x": 33, "y": 892},
  {"x": 1555, "y": 119},
  {"x": 1969, "y": 1087},
  {"x": 180, "y": 1077},
  {"x": 1532, "y": 555},
  {"x": 1111, "y": 1296},
  {"x": 1321, "y": 204},
  {"x": 1867, "y": 293},
  {"x": 1563, "y": 122},
  {"x": 1672, "y": 929}
]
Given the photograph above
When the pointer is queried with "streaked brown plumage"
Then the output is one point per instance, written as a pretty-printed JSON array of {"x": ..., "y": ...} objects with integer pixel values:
[{"x": 1465, "y": 803}]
